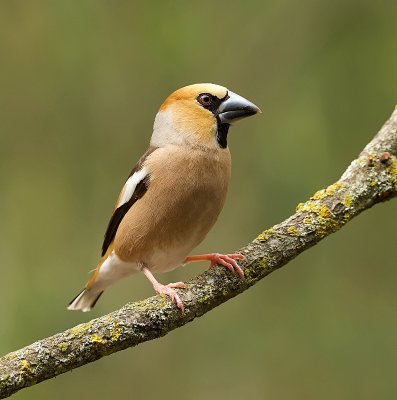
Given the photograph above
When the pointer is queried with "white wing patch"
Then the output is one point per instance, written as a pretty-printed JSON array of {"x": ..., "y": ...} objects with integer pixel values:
[{"x": 130, "y": 185}]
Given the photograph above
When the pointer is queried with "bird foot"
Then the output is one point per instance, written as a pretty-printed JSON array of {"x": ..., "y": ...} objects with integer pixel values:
[
  {"x": 170, "y": 292},
  {"x": 227, "y": 260},
  {"x": 166, "y": 289}
]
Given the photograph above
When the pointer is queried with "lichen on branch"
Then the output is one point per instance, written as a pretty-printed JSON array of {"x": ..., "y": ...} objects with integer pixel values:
[{"x": 370, "y": 179}]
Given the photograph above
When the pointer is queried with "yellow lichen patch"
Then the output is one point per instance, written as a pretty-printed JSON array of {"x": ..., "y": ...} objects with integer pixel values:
[
  {"x": 263, "y": 236},
  {"x": 325, "y": 212},
  {"x": 319, "y": 195},
  {"x": 329, "y": 191},
  {"x": 320, "y": 209},
  {"x": 97, "y": 339},
  {"x": 373, "y": 183},
  {"x": 292, "y": 230},
  {"x": 251, "y": 271},
  {"x": 262, "y": 262},
  {"x": 321, "y": 218},
  {"x": 347, "y": 201},
  {"x": 115, "y": 331},
  {"x": 393, "y": 171},
  {"x": 309, "y": 206},
  {"x": 63, "y": 346},
  {"x": 80, "y": 329},
  {"x": 25, "y": 367},
  {"x": 326, "y": 221}
]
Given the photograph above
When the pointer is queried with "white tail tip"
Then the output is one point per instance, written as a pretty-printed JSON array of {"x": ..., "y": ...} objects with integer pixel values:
[{"x": 85, "y": 300}]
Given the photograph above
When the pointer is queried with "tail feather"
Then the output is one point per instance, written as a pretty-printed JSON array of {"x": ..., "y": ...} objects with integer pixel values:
[{"x": 85, "y": 300}]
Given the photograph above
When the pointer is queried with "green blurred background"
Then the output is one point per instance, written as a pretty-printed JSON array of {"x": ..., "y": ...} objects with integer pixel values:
[{"x": 80, "y": 84}]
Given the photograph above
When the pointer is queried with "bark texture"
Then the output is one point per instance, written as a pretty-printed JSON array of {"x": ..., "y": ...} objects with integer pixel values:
[{"x": 370, "y": 179}]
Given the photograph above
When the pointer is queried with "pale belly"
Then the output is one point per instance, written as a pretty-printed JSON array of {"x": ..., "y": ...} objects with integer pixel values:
[{"x": 166, "y": 260}]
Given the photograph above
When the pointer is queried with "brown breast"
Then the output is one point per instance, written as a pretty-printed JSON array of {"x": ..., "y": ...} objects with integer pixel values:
[{"x": 186, "y": 193}]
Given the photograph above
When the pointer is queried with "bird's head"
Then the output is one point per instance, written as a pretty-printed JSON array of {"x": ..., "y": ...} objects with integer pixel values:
[{"x": 199, "y": 115}]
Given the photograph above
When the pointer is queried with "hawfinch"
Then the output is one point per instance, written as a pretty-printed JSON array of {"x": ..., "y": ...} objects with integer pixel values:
[{"x": 173, "y": 195}]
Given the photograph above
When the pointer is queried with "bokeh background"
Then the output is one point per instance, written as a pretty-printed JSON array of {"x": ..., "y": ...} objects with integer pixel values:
[{"x": 80, "y": 83}]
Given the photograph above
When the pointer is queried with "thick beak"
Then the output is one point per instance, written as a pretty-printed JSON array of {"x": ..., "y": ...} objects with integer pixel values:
[{"x": 235, "y": 107}]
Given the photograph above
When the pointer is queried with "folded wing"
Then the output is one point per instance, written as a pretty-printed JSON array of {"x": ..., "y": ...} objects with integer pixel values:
[{"x": 134, "y": 188}]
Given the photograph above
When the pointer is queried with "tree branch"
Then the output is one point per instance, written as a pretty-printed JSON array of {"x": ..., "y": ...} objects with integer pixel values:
[{"x": 370, "y": 179}]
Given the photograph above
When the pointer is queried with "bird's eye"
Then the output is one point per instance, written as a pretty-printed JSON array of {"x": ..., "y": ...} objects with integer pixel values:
[{"x": 205, "y": 99}]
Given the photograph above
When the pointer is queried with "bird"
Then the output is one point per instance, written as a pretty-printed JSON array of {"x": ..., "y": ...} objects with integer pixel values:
[{"x": 173, "y": 195}]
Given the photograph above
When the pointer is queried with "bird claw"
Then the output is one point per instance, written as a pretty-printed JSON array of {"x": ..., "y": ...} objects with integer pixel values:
[
  {"x": 178, "y": 285},
  {"x": 170, "y": 292},
  {"x": 228, "y": 261}
]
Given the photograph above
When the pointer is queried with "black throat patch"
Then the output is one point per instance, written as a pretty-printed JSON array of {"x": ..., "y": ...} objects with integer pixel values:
[{"x": 221, "y": 134}]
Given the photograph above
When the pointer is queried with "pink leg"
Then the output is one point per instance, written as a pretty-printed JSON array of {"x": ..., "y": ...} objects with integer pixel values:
[
  {"x": 166, "y": 289},
  {"x": 227, "y": 260}
]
